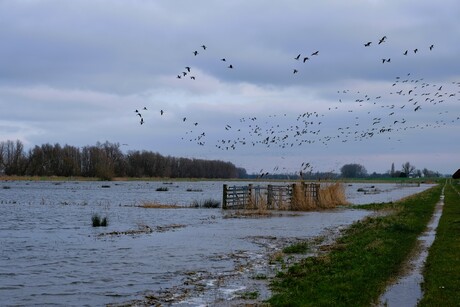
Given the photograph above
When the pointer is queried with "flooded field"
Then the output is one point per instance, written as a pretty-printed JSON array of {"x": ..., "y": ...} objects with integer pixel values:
[{"x": 51, "y": 255}]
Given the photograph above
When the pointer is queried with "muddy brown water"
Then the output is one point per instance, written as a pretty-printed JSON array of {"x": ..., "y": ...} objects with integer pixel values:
[{"x": 50, "y": 254}]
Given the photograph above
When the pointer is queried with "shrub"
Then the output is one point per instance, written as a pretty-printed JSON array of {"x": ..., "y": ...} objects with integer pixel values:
[
  {"x": 162, "y": 189},
  {"x": 298, "y": 248},
  {"x": 208, "y": 203},
  {"x": 98, "y": 222}
]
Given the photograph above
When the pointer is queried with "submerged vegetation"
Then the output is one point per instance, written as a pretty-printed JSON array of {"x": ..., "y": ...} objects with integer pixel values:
[
  {"x": 368, "y": 255},
  {"x": 207, "y": 203},
  {"x": 97, "y": 221}
]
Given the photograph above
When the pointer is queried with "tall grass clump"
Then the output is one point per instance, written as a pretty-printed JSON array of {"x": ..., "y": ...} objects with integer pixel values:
[
  {"x": 328, "y": 196},
  {"x": 332, "y": 195},
  {"x": 300, "y": 200},
  {"x": 97, "y": 221},
  {"x": 208, "y": 204}
]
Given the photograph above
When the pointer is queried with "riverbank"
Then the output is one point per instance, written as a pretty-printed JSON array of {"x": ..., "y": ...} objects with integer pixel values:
[{"x": 369, "y": 255}]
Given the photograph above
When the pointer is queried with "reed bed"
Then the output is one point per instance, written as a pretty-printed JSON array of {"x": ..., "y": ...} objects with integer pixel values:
[{"x": 327, "y": 196}]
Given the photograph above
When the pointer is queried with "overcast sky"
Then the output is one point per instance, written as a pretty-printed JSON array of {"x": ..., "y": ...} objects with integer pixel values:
[{"x": 75, "y": 72}]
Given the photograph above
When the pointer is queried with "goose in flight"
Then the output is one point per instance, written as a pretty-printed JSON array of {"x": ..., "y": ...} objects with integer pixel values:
[
  {"x": 382, "y": 39},
  {"x": 367, "y": 44},
  {"x": 315, "y": 53},
  {"x": 297, "y": 57}
]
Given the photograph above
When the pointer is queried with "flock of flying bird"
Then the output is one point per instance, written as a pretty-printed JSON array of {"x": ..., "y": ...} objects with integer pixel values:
[{"x": 369, "y": 115}]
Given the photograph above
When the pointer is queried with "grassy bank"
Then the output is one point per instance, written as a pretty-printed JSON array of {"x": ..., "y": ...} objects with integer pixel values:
[
  {"x": 442, "y": 270},
  {"x": 357, "y": 268}
]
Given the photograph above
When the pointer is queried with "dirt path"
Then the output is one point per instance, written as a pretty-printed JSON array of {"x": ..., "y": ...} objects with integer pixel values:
[{"x": 407, "y": 291}]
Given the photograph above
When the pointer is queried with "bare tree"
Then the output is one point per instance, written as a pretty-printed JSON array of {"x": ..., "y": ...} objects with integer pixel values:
[{"x": 408, "y": 169}]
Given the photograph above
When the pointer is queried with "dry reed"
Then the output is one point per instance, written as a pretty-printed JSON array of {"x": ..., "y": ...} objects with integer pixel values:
[
  {"x": 332, "y": 195},
  {"x": 149, "y": 205},
  {"x": 311, "y": 196}
]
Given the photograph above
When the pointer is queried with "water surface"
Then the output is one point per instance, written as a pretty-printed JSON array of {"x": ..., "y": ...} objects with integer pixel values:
[{"x": 51, "y": 255}]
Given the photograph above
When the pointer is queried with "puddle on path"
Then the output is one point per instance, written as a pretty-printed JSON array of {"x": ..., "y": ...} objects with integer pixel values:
[{"x": 407, "y": 290}]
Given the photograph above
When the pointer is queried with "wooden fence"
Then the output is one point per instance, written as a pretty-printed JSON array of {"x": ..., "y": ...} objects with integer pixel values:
[{"x": 270, "y": 197}]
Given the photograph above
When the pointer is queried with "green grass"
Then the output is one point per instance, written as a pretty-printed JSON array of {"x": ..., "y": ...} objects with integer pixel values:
[
  {"x": 361, "y": 263},
  {"x": 442, "y": 270},
  {"x": 298, "y": 248}
]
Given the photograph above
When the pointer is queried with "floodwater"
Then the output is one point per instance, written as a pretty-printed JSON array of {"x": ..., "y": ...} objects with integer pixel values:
[{"x": 51, "y": 255}]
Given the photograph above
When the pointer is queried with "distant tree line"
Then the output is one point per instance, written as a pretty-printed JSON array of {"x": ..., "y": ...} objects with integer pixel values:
[
  {"x": 354, "y": 170},
  {"x": 105, "y": 161}
]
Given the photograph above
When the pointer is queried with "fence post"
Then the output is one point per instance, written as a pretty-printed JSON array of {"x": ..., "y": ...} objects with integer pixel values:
[
  {"x": 249, "y": 203},
  {"x": 224, "y": 197},
  {"x": 293, "y": 199},
  {"x": 317, "y": 187},
  {"x": 269, "y": 196}
]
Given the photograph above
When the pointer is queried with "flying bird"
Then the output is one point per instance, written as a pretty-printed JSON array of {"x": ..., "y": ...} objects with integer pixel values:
[
  {"x": 203, "y": 46},
  {"x": 195, "y": 52},
  {"x": 431, "y": 47},
  {"x": 367, "y": 44},
  {"x": 297, "y": 57},
  {"x": 405, "y": 52},
  {"x": 315, "y": 53},
  {"x": 382, "y": 39},
  {"x": 188, "y": 68},
  {"x": 305, "y": 59},
  {"x": 295, "y": 71}
]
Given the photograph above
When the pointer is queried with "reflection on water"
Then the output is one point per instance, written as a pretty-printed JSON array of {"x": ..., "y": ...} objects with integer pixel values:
[{"x": 50, "y": 254}]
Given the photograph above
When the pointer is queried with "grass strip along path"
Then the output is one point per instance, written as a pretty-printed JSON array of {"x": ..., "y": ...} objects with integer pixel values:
[
  {"x": 359, "y": 266},
  {"x": 442, "y": 269}
]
